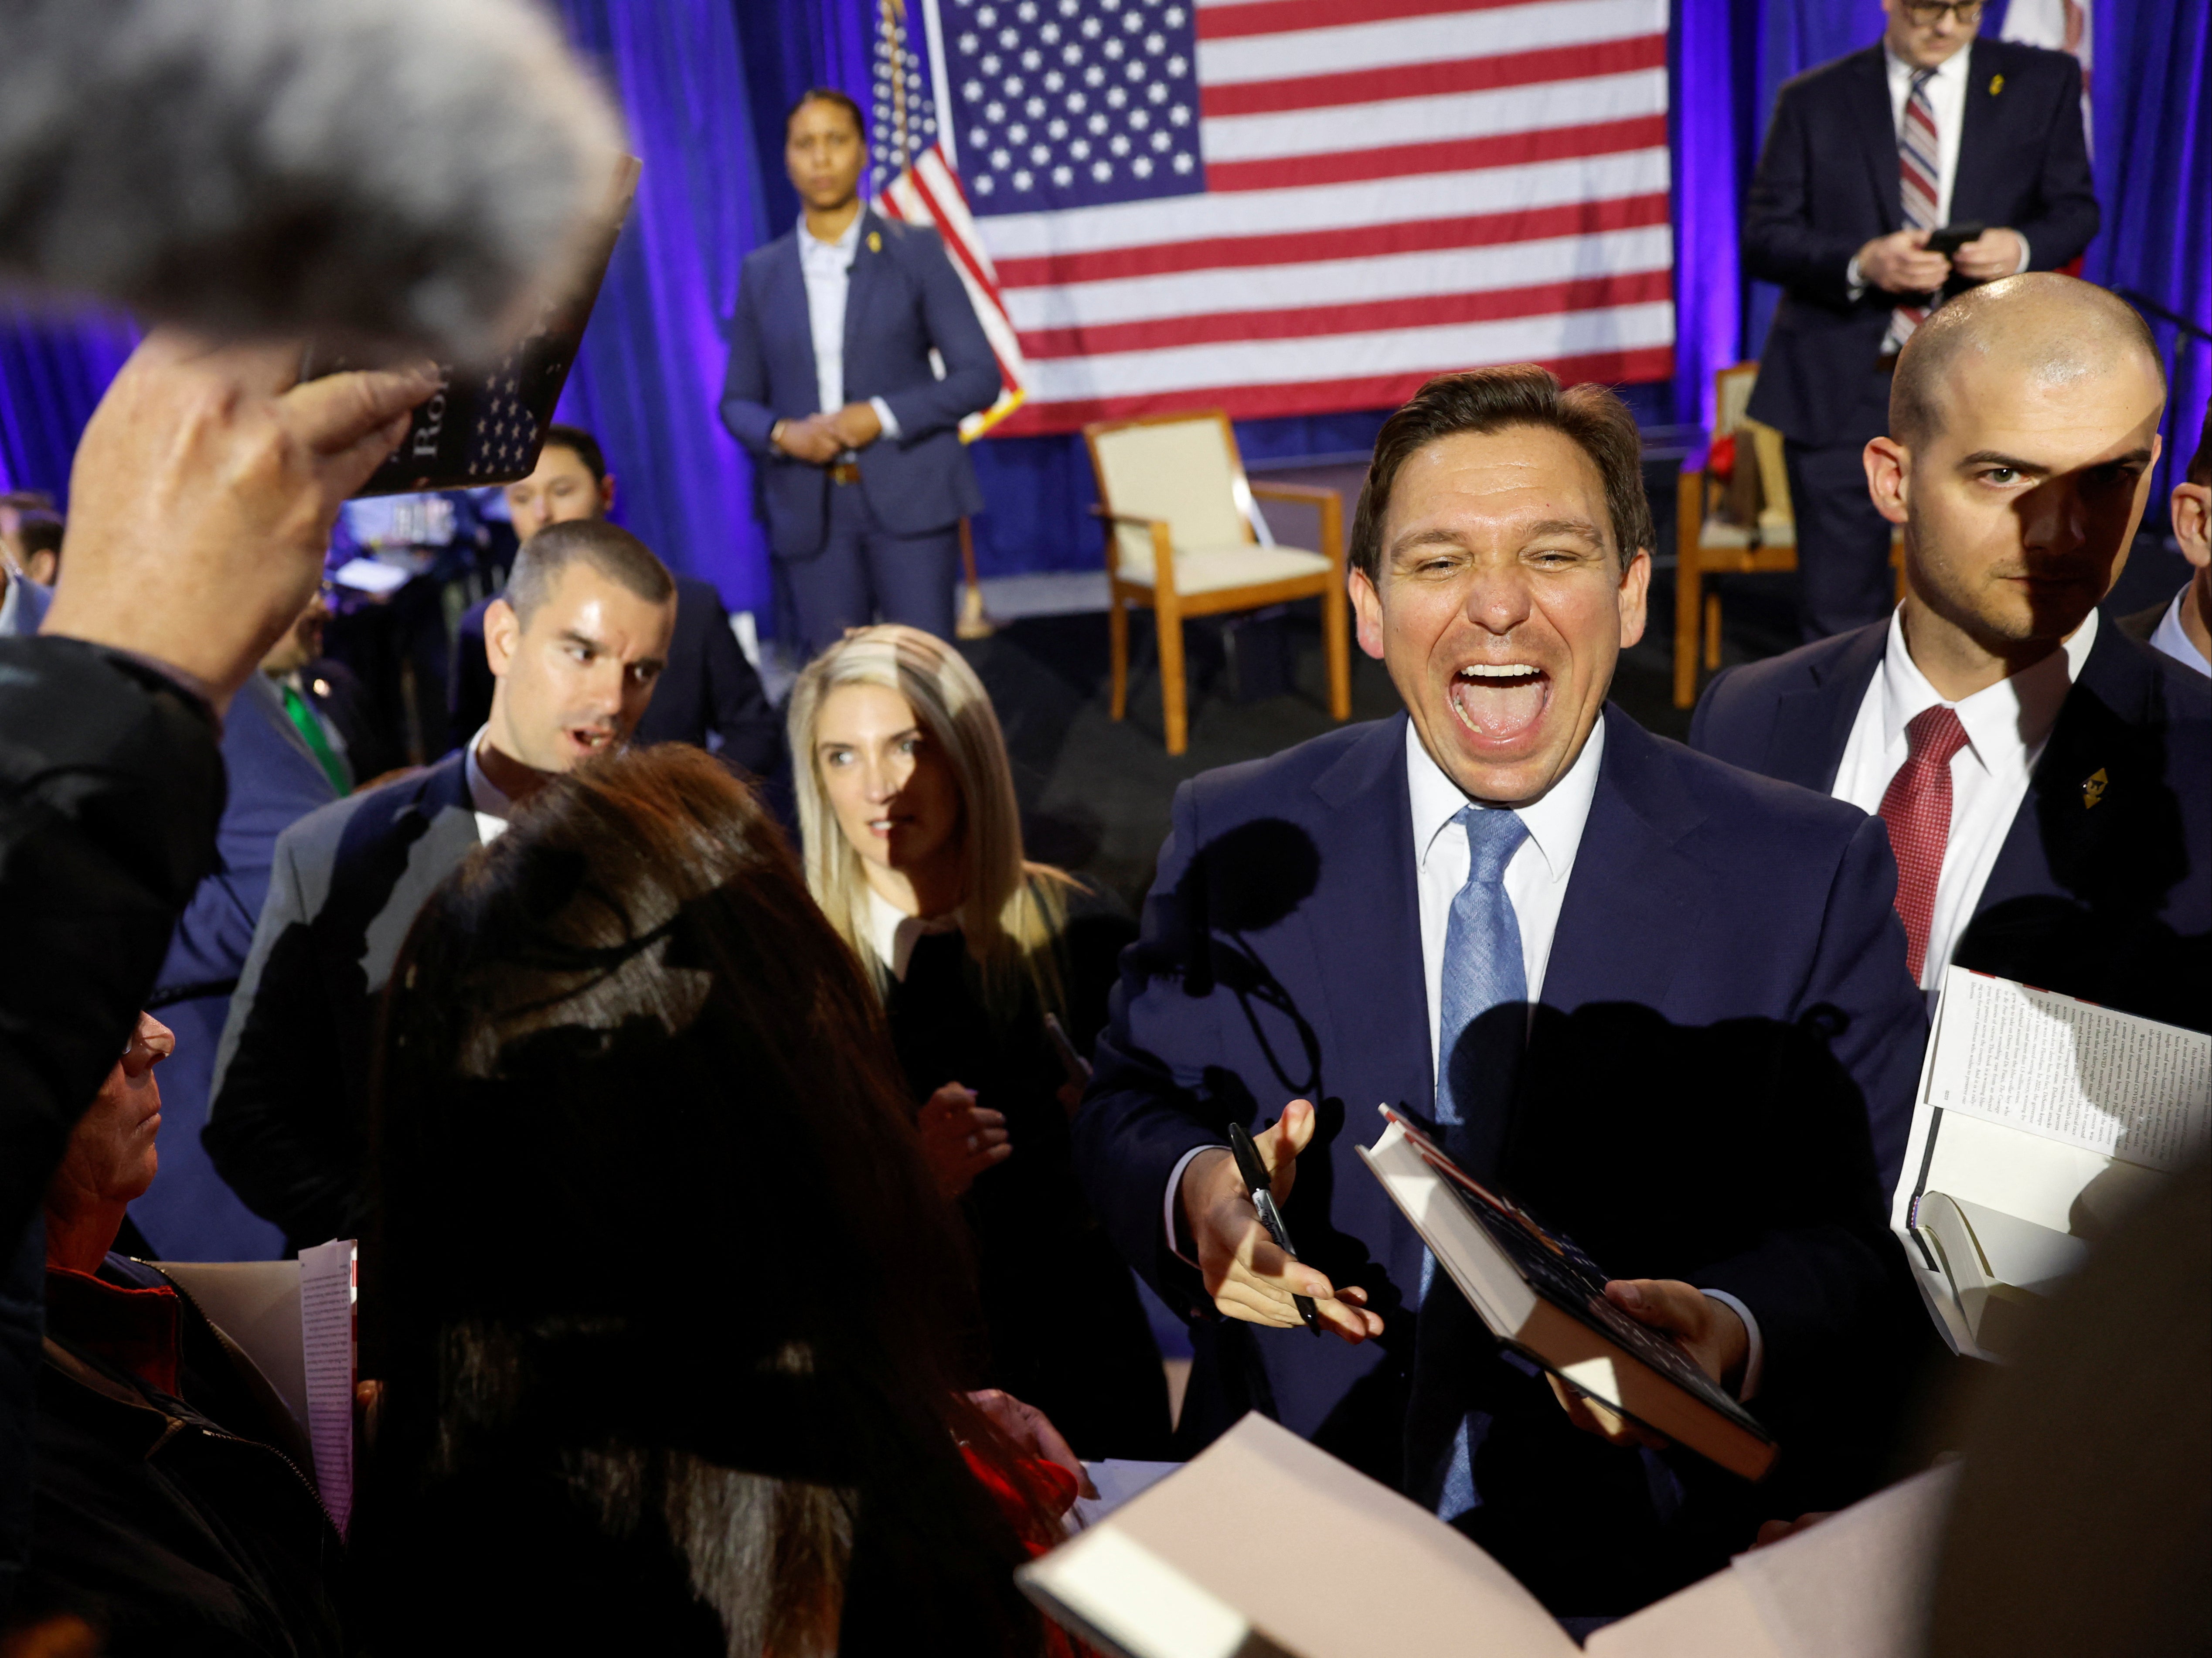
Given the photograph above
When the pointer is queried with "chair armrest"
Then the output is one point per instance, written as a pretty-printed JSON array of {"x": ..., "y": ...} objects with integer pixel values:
[
  {"x": 1099, "y": 512},
  {"x": 1330, "y": 503},
  {"x": 1163, "y": 547}
]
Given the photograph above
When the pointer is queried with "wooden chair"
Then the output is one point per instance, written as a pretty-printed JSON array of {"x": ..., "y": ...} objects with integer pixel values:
[
  {"x": 1177, "y": 509},
  {"x": 1744, "y": 525}
]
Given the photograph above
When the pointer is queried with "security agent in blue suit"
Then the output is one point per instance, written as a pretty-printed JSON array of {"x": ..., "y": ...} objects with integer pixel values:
[
  {"x": 861, "y": 475},
  {"x": 1662, "y": 1001},
  {"x": 1827, "y": 219},
  {"x": 2078, "y": 856}
]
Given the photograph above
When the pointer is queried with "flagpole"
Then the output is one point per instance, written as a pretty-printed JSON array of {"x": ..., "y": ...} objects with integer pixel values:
[{"x": 940, "y": 93}]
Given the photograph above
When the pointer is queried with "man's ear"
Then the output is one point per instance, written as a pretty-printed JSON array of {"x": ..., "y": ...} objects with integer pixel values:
[
  {"x": 1635, "y": 593},
  {"x": 502, "y": 635},
  {"x": 606, "y": 494},
  {"x": 2192, "y": 522},
  {"x": 1367, "y": 611},
  {"x": 1889, "y": 477}
]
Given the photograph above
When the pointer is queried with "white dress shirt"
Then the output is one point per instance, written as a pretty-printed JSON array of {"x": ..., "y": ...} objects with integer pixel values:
[
  {"x": 1947, "y": 100},
  {"x": 2007, "y": 725},
  {"x": 493, "y": 808},
  {"x": 826, "y": 267},
  {"x": 2169, "y": 636},
  {"x": 11, "y": 603},
  {"x": 893, "y": 933},
  {"x": 1535, "y": 880}
]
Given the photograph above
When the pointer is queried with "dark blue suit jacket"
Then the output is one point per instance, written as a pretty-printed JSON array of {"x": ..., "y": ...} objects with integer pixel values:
[
  {"x": 1826, "y": 185},
  {"x": 30, "y": 606},
  {"x": 2110, "y": 900},
  {"x": 904, "y": 299},
  {"x": 1725, "y": 1009}
]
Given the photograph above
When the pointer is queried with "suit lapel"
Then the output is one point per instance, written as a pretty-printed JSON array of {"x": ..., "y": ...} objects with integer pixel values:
[
  {"x": 859, "y": 288},
  {"x": 1632, "y": 902},
  {"x": 792, "y": 275},
  {"x": 1877, "y": 132},
  {"x": 1370, "y": 960},
  {"x": 1812, "y": 723},
  {"x": 1976, "y": 140}
]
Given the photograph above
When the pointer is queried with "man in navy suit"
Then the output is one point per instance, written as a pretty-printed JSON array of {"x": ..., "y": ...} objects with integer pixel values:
[
  {"x": 2048, "y": 779},
  {"x": 1661, "y": 1000},
  {"x": 576, "y": 641},
  {"x": 856, "y": 442},
  {"x": 1867, "y": 157},
  {"x": 708, "y": 695}
]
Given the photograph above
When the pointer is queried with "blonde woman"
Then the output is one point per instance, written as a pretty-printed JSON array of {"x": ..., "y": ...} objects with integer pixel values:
[{"x": 914, "y": 850}]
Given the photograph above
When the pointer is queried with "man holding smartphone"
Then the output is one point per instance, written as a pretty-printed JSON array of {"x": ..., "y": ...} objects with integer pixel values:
[{"x": 1891, "y": 178}]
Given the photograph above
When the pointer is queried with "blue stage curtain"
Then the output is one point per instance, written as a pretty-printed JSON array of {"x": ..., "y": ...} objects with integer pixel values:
[
  {"x": 2154, "y": 163},
  {"x": 54, "y": 365},
  {"x": 650, "y": 373}
]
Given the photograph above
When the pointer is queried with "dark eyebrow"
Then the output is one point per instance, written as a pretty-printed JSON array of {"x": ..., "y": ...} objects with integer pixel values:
[
  {"x": 1567, "y": 527},
  {"x": 572, "y": 637}
]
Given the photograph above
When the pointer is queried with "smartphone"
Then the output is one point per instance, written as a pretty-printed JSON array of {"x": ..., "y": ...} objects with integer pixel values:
[
  {"x": 1953, "y": 237},
  {"x": 486, "y": 422}
]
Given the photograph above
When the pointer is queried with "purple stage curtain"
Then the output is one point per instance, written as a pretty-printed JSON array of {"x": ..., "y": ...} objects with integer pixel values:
[{"x": 54, "y": 365}]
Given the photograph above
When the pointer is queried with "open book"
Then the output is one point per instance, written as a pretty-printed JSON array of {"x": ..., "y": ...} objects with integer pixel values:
[
  {"x": 1266, "y": 1544},
  {"x": 1541, "y": 1295},
  {"x": 2041, "y": 1121}
]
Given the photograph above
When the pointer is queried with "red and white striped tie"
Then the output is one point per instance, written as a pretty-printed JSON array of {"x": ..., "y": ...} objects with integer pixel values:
[
  {"x": 1919, "y": 165},
  {"x": 1917, "y": 808}
]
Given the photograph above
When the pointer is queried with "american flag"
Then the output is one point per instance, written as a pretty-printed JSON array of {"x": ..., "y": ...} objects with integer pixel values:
[{"x": 1295, "y": 206}]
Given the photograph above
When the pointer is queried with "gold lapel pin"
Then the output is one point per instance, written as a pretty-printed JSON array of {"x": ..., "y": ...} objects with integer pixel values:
[
  {"x": 2093, "y": 786},
  {"x": 1997, "y": 85},
  {"x": 875, "y": 241}
]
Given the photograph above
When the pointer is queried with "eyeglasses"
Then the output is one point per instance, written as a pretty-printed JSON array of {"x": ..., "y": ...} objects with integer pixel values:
[{"x": 1929, "y": 13}]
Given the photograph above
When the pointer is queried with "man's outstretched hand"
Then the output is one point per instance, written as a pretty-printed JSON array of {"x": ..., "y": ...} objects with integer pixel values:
[
  {"x": 1246, "y": 1275},
  {"x": 203, "y": 496},
  {"x": 1707, "y": 1330}
]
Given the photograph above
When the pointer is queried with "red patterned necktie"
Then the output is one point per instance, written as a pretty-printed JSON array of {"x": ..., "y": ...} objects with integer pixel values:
[{"x": 1917, "y": 807}]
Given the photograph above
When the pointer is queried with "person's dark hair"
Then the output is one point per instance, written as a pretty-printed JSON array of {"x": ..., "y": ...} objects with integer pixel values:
[
  {"x": 670, "y": 1305},
  {"x": 39, "y": 533},
  {"x": 826, "y": 96},
  {"x": 2200, "y": 464},
  {"x": 1495, "y": 400},
  {"x": 611, "y": 550},
  {"x": 582, "y": 445}
]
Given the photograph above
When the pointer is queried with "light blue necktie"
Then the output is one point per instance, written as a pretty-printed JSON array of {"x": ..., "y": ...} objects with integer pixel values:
[{"x": 1482, "y": 969}]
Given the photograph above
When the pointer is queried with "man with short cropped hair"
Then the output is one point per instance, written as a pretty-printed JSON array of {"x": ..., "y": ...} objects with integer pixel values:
[
  {"x": 577, "y": 643},
  {"x": 1662, "y": 1002},
  {"x": 2182, "y": 626},
  {"x": 708, "y": 695},
  {"x": 2047, "y": 781}
]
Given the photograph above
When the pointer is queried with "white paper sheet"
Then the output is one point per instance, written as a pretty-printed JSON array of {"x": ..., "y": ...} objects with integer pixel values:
[{"x": 329, "y": 1286}]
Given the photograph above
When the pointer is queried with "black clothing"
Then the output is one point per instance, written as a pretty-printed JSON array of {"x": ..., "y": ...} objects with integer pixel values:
[
  {"x": 178, "y": 1523},
  {"x": 1066, "y": 1331},
  {"x": 348, "y": 704}
]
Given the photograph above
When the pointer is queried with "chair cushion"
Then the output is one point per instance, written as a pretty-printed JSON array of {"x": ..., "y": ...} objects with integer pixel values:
[
  {"x": 1210, "y": 569},
  {"x": 1719, "y": 532},
  {"x": 1179, "y": 470}
]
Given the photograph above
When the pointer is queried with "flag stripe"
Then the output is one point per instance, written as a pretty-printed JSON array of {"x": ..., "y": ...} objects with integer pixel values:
[
  {"x": 1338, "y": 357},
  {"x": 1248, "y": 401},
  {"x": 1308, "y": 209},
  {"x": 1299, "y": 247},
  {"x": 1498, "y": 111},
  {"x": 1227, "y": 19},
  {"x": 1453, "y": 155},
  {"x": 1582, "y": 294},
  {"x": 1349, "y": 279},
  {"x": 1414, "y": 42},
  {"x": 1433, "y": 79}
]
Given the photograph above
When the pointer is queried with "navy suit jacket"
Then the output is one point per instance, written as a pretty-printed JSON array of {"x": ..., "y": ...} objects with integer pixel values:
[
  {"x": 1725, "y": 1010},
  {"x": 904, "y": 299},
  {"x": 707, "y": 686},
  {"x": 2109, "y": 899},
  {"x": 1826, "y": 185},
  {"x": 31, "y": 607}
]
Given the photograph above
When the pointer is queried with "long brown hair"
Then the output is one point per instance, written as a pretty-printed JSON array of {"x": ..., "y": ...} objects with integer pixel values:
[{"x": 673, "y": 1308}]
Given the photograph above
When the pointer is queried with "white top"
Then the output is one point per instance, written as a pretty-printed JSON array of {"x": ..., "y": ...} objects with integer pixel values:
[
  {"x": 1535, "y": 876},
  {"x": 1535, "y": 879},
  {"x": 2007, "y": 725},
  {"x": 892, "y": 933},
  {"x": 828, "y": 268},
  {"x": 1946, "y": 99},
  {"x": 493, "y": 808},
  {"x": 12, "y": 603},
  {"x": 2169, "y": 636}
]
